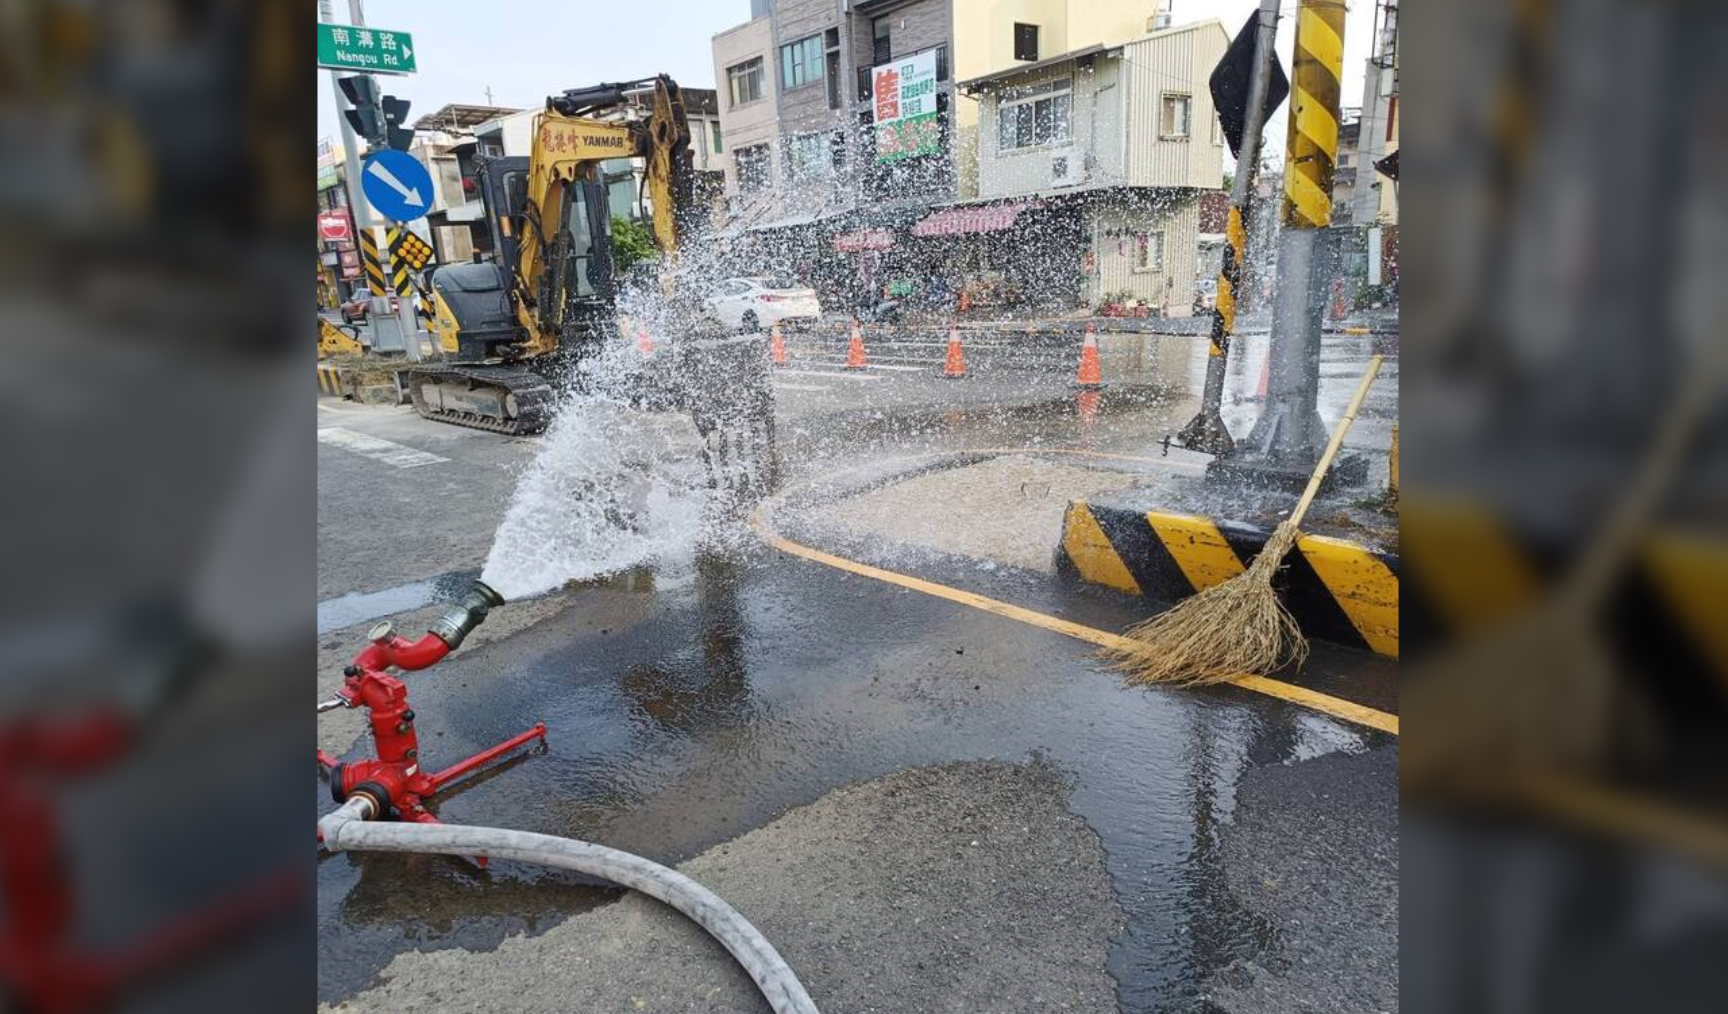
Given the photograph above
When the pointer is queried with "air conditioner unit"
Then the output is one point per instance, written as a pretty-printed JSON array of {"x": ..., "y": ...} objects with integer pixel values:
[{"x": 1066, "y": 170}]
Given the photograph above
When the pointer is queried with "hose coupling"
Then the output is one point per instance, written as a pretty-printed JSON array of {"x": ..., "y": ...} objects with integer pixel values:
[
  {"x": 456, "y": 624},
  {"x": 360, "y": 805}
]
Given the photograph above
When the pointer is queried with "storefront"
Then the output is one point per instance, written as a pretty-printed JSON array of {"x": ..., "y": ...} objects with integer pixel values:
[{"x": 1019, "y": 256}]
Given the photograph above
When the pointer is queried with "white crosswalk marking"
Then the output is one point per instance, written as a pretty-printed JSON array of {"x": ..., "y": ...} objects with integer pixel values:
[
  {"x": 377, "y": 448},
  {"x": 838, "y": 363},
  {"x": 820, "y": 373}
]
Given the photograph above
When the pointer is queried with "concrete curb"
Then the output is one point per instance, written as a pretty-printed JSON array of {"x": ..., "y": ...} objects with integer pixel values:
[{"x": 1338, "y": 590}]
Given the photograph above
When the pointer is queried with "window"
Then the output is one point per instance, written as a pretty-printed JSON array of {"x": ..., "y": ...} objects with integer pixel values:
[
  {"x": 574, "y": 275},
  {"x": 1039, "y": 115},
  {"x": 714, "y": 128},
  {"x": 883, "y": 48},
  {"x": 1174, "y": 122},
  {"x": 801, "y": 62},
  {"x": 745, "y": 80},
  {"x": 1149, "y": 252},
  {"x": 808, "y": 157},
  {"x": 1025, "y": 42},
  {"x": 753, "y": 168}
]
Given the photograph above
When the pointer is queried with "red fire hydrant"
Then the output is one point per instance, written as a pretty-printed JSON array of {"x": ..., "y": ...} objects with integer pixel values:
[{"x": 395, "y": 780}]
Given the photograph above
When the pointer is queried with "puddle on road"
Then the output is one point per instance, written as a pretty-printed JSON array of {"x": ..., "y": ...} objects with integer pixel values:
[
  {"x": 358, "y": 607},
  {"x": 761, "y": 684}
]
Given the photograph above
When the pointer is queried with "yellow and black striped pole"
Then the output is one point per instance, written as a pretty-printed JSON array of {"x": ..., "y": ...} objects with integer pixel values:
[
  {"x": 371, "y": 264},
  {"x": 1312, "y": 146},
  {"x": 1206, "y": 432},
  {"x": 1288, "y": 437}
]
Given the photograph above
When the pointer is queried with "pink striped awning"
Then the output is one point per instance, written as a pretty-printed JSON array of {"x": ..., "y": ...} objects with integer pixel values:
[{"x": 956, "y": 221}]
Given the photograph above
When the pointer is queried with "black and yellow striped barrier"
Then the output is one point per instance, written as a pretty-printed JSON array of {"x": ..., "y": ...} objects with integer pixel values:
[
  {"x": 1337, "y": 590},
  {"x": 372, "y": 264},
  {"x": 329, "y": 380}
]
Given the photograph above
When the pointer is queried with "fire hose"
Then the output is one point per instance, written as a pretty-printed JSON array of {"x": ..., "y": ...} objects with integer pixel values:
[
  {"x": 350, "y": 827},
  {"x": 382, "y": 807}
]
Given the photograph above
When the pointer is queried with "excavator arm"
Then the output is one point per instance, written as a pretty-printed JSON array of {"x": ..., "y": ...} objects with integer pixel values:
[
  {"x": 565, "y": 253},
  {"x": 551, "y": 288}
]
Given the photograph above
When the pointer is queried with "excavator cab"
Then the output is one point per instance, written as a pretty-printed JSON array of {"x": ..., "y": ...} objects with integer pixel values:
[{"x": 474, "y": 318}]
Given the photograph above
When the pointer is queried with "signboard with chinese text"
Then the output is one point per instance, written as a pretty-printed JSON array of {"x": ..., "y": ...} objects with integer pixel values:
[
  {"x": 905, "y": 107},
  {"x": 359, "y": 47}
]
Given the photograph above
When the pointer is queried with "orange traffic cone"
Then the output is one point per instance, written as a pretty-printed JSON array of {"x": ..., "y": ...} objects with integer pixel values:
[
  {"x": 955, "y": 367},
  {"x": 776, "y": 346},
  {"x": 1091, "y": 374},
  {"x": 1086, "y": 408},
  {"x": 855, "y": 349},
  {"x": 644, "y": 341}
]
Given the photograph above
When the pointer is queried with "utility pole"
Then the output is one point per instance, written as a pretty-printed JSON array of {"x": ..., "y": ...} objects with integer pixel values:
[
  {"x": 1206, "y": 431},
  {"x": 1287, "y": 440},
  {"x": 387, "y": 331}
]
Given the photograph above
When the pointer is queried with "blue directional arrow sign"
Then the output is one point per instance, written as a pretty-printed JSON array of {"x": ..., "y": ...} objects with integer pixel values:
[{"x": 397, "y": 185}]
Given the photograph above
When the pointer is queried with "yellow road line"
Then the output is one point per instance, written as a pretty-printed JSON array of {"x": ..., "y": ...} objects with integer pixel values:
[{"x": 1337, "y": 707}]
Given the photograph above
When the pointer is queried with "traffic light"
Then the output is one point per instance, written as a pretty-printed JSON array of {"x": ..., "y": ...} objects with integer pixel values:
[
  {"x": 366, "y": 117},
  {"x": 399, "y": 136}
]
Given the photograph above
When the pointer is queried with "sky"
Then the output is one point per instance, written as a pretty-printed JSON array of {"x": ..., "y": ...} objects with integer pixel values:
[{"x": 524, "y": 50}]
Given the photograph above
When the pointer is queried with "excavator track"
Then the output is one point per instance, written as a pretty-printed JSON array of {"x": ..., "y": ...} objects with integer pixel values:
[{"x": 497, "y": 399}]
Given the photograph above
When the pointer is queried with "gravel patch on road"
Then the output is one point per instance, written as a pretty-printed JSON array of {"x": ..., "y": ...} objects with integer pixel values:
[
  {"x": 965, "y": 887},
  {"x": 1007, "y": 509}
]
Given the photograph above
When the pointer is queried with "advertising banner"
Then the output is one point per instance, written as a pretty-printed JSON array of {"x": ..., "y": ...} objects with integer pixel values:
[{"x": 905, "y": 100}]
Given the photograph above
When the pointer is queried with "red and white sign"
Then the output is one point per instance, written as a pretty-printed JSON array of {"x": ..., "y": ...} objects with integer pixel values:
[
  {"x": 334, "y": 227},
  {"x": 863, "y": 239},
  {"x": 957, "y": 221}
]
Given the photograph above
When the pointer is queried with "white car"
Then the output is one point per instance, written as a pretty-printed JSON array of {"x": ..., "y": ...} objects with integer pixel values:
[{"x": 751, "y": 304}]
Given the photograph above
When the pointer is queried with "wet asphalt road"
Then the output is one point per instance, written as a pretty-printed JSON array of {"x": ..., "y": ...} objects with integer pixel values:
[{"x": 1250, "y": 845}]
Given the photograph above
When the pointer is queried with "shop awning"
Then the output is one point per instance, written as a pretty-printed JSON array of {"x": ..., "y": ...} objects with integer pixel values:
[
  {"x": 957, "y": 221},
  {"x": 863, "y": 239}
]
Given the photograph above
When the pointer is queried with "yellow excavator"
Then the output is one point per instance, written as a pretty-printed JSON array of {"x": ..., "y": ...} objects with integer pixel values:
[
  {"x": 510, "y": 331},
  {"x": 338, "y": 340}
]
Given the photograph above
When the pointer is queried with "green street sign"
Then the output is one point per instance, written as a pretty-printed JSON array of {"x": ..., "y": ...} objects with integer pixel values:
[{"x": 364, "y": 48}]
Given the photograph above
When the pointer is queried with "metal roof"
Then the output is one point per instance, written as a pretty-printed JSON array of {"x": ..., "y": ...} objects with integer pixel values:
[{"x": 458, "y": 118}]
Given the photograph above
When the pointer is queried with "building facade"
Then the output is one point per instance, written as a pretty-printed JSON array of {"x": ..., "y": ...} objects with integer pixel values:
[
  {"x": 842, "y": 119},
  {"x": 1122, "y": 141},
  {"x": 798, "y": 98},
  {"x": 1374, "y": 200}
]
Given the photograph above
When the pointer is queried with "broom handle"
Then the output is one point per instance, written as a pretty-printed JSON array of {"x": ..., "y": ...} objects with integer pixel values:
[{"x": 1337, "y": 441}]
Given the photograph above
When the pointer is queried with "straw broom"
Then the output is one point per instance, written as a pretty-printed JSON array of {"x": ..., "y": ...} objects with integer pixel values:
[{"x": 1240, "y": 626}]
